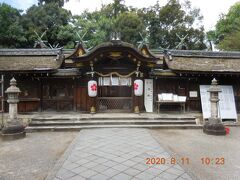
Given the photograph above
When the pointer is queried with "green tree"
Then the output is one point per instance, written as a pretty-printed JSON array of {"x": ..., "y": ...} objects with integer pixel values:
[
  {"x": 227, "y": 29},
  {"x": 11, "y": 30},
  {"x": 95, "y": 25},
  {"x": 129, "y": 25},
  {"x": 113, "y": 17},
  {"x": 231, "y": 42},
  {"x": 59, "y": 2},
  {"x": 48, "y": 17},
  {"x": 166, "y": 23}
]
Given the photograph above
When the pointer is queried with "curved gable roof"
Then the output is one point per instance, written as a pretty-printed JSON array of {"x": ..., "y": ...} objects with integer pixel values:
[{"x": 80, "y": 53}]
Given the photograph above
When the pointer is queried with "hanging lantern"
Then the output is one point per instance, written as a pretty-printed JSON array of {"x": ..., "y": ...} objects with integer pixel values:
[
  {"x": 138, "y": 87},
  {"x": 92, "y": 88}
]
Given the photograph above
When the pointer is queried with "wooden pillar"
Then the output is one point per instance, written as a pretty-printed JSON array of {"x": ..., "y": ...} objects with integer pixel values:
[
  {"x": 75, "y": 94},
  {"x": 41, "y": 95}
]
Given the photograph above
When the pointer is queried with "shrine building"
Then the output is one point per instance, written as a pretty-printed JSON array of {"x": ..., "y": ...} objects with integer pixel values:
[{"x": 116, "y": 76}]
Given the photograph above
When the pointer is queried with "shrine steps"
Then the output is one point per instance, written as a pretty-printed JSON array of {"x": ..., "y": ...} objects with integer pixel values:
[{"x": 76, "y": 124}]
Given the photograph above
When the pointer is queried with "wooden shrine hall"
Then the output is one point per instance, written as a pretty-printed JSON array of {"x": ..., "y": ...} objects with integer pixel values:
[{"x": 115, "y": 77}]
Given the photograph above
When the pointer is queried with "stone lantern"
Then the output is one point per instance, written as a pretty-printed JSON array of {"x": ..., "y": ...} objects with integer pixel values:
[
  {"x": 214, "y": 125},
  {"x": 13, "y": 128}
]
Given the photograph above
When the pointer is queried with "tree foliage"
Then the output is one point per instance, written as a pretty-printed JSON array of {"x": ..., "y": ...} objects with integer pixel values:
[
  {"x": 11, "y": 30},
  {"x": 114, "y": 17},
  {"x": 168, "y": 22},
  {"x": 50, "y": 18},
  {"x": 60, "y": 3},
  {"x": 96, "y": 27},
  {"x": 163, "y": 26},
  {"x": 129, "y": 25},
  {"x": 227, "y": 30}
]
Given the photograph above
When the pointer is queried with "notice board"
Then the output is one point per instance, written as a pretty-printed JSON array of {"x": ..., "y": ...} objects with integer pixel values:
[
  {"x": 148, "y": 95},
  {"x": 227, "y": 107}
]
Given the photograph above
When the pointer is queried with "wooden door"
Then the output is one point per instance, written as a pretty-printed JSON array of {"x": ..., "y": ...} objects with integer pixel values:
[{"x": 82, "y": 100}]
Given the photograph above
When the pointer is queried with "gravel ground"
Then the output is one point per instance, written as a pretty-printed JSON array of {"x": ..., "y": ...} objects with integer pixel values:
[
  {"x": 194, "y": 144},
  {"x": 31, "y": 158}
]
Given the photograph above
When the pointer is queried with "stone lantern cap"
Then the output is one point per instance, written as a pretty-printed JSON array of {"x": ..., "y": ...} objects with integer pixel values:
[
  {"x": 214, "y": 86},
  {"x": 13, "y": 88}
]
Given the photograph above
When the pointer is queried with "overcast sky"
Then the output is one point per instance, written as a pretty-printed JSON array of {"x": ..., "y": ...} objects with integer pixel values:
[{"x": 210, "y": 9}]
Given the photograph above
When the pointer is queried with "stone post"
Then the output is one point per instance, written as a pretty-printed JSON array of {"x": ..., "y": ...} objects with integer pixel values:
[
  {"x": 13, "y": 128},
  {"x": 214, "y": 125}
]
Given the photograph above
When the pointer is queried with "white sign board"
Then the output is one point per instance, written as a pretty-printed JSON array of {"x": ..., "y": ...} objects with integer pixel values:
[
  {"x": 193, "y": 94},
  {"x": 167, "y": 96},
  {"x": 114, "y": 81},
  {"x": 125, "y": 81},
  {"x": 106, "y": 81},
  {"x": 227, "y": 108},
  {"x": 148, "y": 95}
]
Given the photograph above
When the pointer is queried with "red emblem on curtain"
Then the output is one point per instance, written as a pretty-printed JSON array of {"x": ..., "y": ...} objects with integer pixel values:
[
  {"x": 135, "y": 86},
  {"x": 94, "y": 87}
]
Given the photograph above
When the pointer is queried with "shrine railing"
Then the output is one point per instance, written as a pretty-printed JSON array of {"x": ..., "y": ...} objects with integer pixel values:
[{"x": 114, "y": 104}]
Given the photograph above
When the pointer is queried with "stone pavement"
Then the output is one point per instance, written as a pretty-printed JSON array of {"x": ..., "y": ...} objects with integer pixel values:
[{"x": 115, "y": 154}]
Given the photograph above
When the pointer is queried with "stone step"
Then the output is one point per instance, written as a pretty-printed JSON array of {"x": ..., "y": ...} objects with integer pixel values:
[
  {"x": 77, "y": 128},
  {"x": 113, "y": 118},
  {"x": 102, "y": 122}
]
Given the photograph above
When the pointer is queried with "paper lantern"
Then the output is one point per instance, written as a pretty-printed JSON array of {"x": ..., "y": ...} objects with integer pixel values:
[
  {"x": 92, "y": 88},
  {"x": 138, "y": 87}
]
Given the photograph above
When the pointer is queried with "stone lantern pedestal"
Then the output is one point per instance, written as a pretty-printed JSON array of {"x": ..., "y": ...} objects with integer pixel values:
[
  {"x": 214, "y": 125},
  {"x": 13, "y": 128}
]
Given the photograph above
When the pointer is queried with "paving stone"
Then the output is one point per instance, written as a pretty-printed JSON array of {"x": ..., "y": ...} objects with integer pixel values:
[
  {"x": 100, "y": 168},
  {"x": 92, "y": 157},
  {"x": 180, "y": 178},
  {"x": 129, "y": 163},
  {"x": 138, "y": 159},
  {"x": 153, "y": 171},
  {"x": 158, "y": 178},
  {"x": 99, "y": 177},
  {"x": 127, "y": 156},
  {"x": 72, "y": 158},
  {"x": 67, "y": 174},
  {"x": 161, "y": 167},
  {"x": 121, "y": 176},
  {"x": 119, "y": 159},
  {"x": 120, "y": 167},
  {"x": 178, "y": 167},
  {"x": 134, "y": 178},
  {"x": 186, "y": 176},
  {"x": 70, "y": 166},
  {"x": 145, "y": 176},
  {"x": 100, "y": 160},
  {"x": 140, "y": 167},
  {"x": 117, "y": 153},
  {"x": 82, "y": 161},
  {"x": 132, "y": 172},
  {"x": 174, "y": 171},
  {"x": 110, "y": 163},
  {"x": 77, "y": 177},
  {"x": 168, "y": 176},
  {"x": 90, "y": 164},
  {"x": 79, "y": 170},
  {"x": 83, "y": 155},
  {"x": 110, "y": 172},
  {"x": 88, "y": 173}
]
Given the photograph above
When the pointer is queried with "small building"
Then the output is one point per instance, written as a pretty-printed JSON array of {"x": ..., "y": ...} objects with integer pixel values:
[{"x": 57, "y": 80}]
